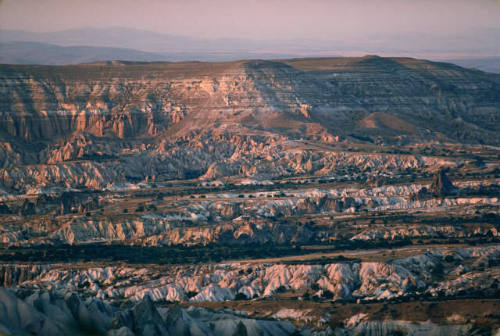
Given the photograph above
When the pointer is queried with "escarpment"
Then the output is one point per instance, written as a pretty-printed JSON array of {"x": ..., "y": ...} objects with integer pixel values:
[
  {"x": 119, "y": 123},
  {"x": 395, "y": 95},
  {"x": 193, "y": 130},
  {"x": 39, "y": 108},
  {"x": 292, "y": 197}
]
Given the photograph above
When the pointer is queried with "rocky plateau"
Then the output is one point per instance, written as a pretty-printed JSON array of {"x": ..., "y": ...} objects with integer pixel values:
[{"x": 325, "y": 196}]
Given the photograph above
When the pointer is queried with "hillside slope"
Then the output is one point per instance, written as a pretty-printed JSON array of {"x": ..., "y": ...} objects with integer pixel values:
[{"x": 129, "y": 121}]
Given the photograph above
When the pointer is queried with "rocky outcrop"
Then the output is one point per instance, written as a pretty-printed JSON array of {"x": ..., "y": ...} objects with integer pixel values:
[
  {"x": 397, "y": 278},
  {"x": 27, "y": 208},
  {"x": 215, "y": 159},
  {"x": 53, "y": 313},
  {"x": 441, "y": 184},
  {"x": 250, "y": 217},
  {"x": 99, "y": 124},
  {"x": 68, "y": 201},
  {"x": 12, "y": 274},
  {"x": 304, "y": 156}
]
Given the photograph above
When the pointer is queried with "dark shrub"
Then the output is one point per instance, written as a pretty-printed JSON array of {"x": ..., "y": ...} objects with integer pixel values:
[
  {"x": 191, "y": 294},
  {"x": 241, "y": 296},
  {"x": 327, "y": 295}
]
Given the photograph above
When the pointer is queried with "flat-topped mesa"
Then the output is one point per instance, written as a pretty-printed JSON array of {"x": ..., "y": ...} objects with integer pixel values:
[
  {"x": 370, "y": 97},
  {"x": 441, "y": 184},
  {"x": 99, "y": 125}
]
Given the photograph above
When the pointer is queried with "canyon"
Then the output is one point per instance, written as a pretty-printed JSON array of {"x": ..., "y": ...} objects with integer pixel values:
[{"x": 325, "y": 196}]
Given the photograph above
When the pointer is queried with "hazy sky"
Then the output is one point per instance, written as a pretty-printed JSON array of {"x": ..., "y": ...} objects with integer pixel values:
[
  {"x": 398, "y": 21},
  {"x": 257, "y": 19}
]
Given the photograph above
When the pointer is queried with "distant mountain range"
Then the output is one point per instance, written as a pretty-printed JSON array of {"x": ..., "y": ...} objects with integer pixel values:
[
  {"x": 488, "y": 64},
  {"x": 21, "y": 52},
  {"x": 50, "y": 54},
  {"x": 171, "y": 47},
  {"x": 93, "y": 44},
  {"x": 119, "y": 37}
]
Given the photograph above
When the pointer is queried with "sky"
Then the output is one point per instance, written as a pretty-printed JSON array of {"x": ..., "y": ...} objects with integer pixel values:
[{"x": 398, "y": 23}]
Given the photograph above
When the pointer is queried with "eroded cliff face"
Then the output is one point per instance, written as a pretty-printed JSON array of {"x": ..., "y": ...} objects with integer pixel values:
[
  {"x": 350, "y": 179},
  {"x": 41, "y": 103},
  {"x": 277, "y": 215},
  {"x": 207, "y": 159},
  {"x": 402, "y": 96},
  {"x": 94, "y": 125},
  {"x": 369, "y": 281},
  {"x": 49, "y": 313},
  {"x": 48, "y": 292}
]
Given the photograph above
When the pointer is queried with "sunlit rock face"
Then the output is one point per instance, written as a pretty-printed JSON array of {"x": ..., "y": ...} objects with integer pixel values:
[
  {"x": 336, "y": 196},
  {"x": 369, "y": 281},
  {"x": 225, "y": 218},
  {"x": 99, "y": 123}
]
